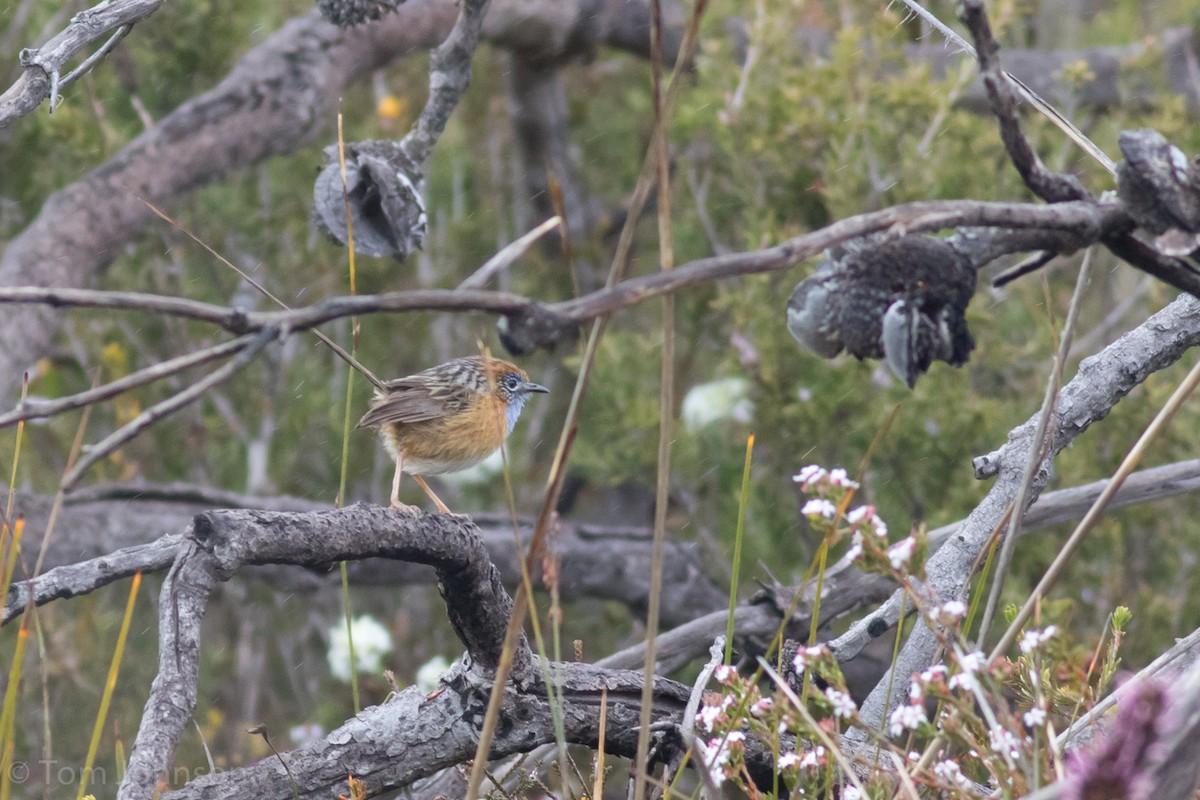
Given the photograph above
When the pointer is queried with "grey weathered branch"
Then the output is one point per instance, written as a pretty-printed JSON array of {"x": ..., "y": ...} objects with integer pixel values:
[
  {"x": 1100, "y": 383},
  {"x": 220, "y": 543},
  {"x": 528, "y": 323},
  {"x": 105, "y": 534},
  {"x": 277, "y": 97},
  {"x": 42, "y": 78}
]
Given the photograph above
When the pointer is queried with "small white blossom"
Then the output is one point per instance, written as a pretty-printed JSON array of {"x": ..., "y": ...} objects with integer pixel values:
[
  {"x": 907, "y": 717},
  {"x": 725, "y": 673},
  {"x": 819, "y": 508},
  {"x": 708, "y": 717},
  {"x": 1035, "y": 717},
  {"x": 429, "y": 674},
  {"x": 843, "y": 704},
  {"x": 964, "y": 680},
  {"x": 1034, "y": 639},
  {"x": 934, "y": 673},
  {"x": 715, "y": 754},
  {"x": 951, "y": 772},
  {"x": 372, "y": 642},
  {"x": 916, "y": 692},
  {"x": 866, "y": 517},
  {"x": 716, "y": 401},
  {"x": 788, "y": 760},
  {"x": 839, "y": 477},
  {"x": 952, "y": 610},
  {"x": 762, "y": 707},
  {"x": 811, "y": 474},
  {"x": 856, "y": 547},
  {"x": 306, "y": 733},
  {"x": 851, "y": 793},
  {"x": 901, "y": 552},
  {"x": 1004, "y": 741},
  {"x": 814, "y": 758},
  {"x": 973, "y": 662}
]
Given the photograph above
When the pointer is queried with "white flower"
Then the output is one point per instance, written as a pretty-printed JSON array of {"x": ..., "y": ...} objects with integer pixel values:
[
  {"x": 788, "y": 760},
  {"x": 969, "y": 664},
  {"x": 843, "y": 704},
  {"x": 722, "y": 399},
  {"x": 839, "y": 477},
  {"x": 951, "y": 772},
  {"x": 916, "y": 692},
  {"x": 907, "y": 717},
  {"x": 1005, "y": 742},
  {"x": 306, "y": 734},
  {"x": 429, "y": 674},
  {"x": 965, "y": 680},
  {"x": 724, "y": 673},
  {"x": 715, "y": 754},
  {"x": 811, "y": 474},
  {"x": 1035, "y": 717},
  {"x": 713, "y": 757},
  {"x": 856, "y": 547},
  {"x": 851, "y": 793},
  {"x": 900, "y": 553},
  {"x": 708, "y": 717},
  {"x": 934, "y": 673},
  {"x": 819, "y": 508},
  {"x": 973, "y": 662},
  {"x": 865, "y": 517},
  {"x": 371, "y": 643},
  {"x": 813, "y": 758},
  {"x": 1034, "y": 639},
  {"x": 762, "y": 707},
  {"x": 952, "y": 610}
]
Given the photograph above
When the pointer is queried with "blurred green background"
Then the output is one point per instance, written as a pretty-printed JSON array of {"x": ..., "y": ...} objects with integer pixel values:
[{"x": 793, "y": 142}]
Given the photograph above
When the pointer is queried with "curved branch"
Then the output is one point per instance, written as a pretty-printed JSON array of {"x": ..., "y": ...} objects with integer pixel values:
[
  {"x": 1100, "y": 383},
  {"x": 277, "y": 97},
  {"x": 43, "y": 65}
]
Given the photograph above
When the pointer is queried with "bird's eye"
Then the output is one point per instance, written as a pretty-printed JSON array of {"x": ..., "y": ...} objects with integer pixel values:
[{"x": 510, "y": 381}]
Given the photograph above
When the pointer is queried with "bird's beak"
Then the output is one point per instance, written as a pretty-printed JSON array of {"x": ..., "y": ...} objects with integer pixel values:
[{"x": 528, "y": 386}]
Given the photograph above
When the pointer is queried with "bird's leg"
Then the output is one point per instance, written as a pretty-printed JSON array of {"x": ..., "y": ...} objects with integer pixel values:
[
  {"x": 396, "y": 489},
  {"x": 437, "y": 501}
]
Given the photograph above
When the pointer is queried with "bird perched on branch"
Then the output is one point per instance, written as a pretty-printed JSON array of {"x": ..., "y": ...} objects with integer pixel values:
[
  {"x": 901, "y": 299},
  {"x": 448, "y": 418}
]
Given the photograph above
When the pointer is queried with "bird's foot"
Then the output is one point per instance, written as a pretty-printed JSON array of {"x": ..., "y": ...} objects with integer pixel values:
[{"x": 405, "y": 508}]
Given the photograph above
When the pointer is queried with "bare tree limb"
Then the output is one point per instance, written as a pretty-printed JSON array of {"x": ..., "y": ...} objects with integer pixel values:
[
  {"x": 277, "y": 97},
  {"x": 43, "y": 65},
  {"x": 1102, "y": 380}
]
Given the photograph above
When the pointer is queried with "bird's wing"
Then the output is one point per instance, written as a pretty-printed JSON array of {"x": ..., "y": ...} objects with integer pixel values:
[{"x": 417, "y": 398}]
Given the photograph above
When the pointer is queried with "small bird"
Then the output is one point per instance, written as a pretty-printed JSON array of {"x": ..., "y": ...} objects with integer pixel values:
[{"x": 448, "y": 418}]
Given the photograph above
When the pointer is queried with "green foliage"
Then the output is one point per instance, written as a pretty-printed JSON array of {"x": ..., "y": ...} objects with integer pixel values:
[{"x": 771, "y": 138}]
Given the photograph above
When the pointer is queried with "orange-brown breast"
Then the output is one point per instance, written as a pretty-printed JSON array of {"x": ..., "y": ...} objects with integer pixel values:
[{"x": 450, "y": 443}]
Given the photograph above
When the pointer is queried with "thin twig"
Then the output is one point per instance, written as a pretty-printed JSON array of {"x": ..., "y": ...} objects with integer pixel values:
[
  {"x": 1160, "y": 421},
  {"x": 167, "y": 407},
  {"x": 1039, "y": 447},
  {"x": 38, "y": 409},
  {"x": 1027, "y": 94},
  {"x": 508, "y": 254}
]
